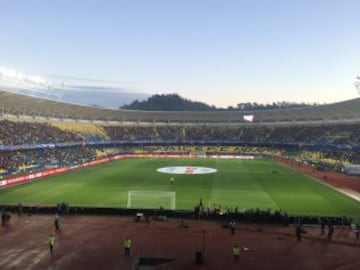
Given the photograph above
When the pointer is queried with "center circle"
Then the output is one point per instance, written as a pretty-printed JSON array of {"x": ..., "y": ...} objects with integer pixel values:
[{"x": 186, "y": 170}]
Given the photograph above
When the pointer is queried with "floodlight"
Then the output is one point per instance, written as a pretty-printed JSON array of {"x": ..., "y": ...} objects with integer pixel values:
[
  {"x": 357, "y": 86},
  {"x": 23, "y": 83},
  {"x": 357, "y": 83}
]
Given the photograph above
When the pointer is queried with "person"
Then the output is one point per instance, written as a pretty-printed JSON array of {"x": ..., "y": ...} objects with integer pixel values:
[
  {"x": 172, "y": 180},
  {"x": 3, "y": 218},
  {"x": 57, "y": 223},
  {"x": 299, "y": 231},
  {"x": 19, "y": 209},
  {"x": 232, "y": 226},
  {"x": 236, "y": 252},
  {"x": 322, "y": 225},
  {"x": 127, "y": 245},
  {"x": 330, "y": 232},
  {"x": 356, "y": 229},
  {"x": 51, "y": 242}
]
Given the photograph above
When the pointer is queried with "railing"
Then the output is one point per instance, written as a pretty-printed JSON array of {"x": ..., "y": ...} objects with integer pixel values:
[{"x": 251, "y": 215}]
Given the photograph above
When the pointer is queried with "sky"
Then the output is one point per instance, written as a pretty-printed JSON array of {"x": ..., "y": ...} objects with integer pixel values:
[{"x": 220, "y": 52}]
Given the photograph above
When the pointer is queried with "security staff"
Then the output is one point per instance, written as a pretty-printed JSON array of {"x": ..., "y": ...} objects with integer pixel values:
[
  {"x": 127, "y": 245},
  {"x": 51, "y": 242},
  {"x": 236, "y": 252}
]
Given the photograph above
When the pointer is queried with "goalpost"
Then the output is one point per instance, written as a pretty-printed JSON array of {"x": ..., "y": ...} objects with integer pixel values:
[{"x": 151, "y": 199}]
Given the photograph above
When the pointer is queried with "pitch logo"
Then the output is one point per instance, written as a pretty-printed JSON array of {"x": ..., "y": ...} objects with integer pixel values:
[
  {"x": 189, "y": 170},
  {"x": 186, "y": 170}
]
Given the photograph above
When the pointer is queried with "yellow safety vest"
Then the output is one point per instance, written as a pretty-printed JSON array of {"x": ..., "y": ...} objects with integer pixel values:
[
  {"x": 127, "y": 243},
  {"x": 51, "y": 240},
  {"x": 236, "y": 250}
]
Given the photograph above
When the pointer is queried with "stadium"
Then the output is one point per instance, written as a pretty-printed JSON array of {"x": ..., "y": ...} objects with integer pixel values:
[{"x": 268, "y": 171}]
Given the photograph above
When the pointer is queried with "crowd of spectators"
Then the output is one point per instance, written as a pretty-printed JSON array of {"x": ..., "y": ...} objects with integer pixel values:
[
  {"x": 16, "y": 161},
  {"x": 348, "y": 134},
  {"x": 20, "y": 133},
  {"x": 346, "y": 156},
  {"x": 25, "y": 133}
]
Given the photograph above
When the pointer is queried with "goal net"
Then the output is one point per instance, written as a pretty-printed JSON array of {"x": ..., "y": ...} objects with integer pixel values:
[{"x": 151, "y": 199}]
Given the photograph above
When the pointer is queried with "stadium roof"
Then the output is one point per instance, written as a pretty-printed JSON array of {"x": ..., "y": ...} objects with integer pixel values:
[{"x": 18, "y": 104}]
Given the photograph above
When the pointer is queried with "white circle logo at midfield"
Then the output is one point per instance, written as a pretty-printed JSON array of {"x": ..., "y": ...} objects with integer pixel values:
[{"x": 186, "y": 170}]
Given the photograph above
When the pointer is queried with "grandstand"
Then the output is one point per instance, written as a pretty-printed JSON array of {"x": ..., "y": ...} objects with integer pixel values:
[
  {"x": 327, "y": 133},
  {"x": 334, "y": 128},
  {"x": 22, "y": 106},
  {"x": 95, "y": 131}
]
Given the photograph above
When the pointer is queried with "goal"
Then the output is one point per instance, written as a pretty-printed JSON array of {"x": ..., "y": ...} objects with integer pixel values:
[{"x": 151, "y": 199}]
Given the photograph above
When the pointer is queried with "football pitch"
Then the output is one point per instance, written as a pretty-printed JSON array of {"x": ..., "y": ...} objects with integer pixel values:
[{"x": 246, "y": 184}]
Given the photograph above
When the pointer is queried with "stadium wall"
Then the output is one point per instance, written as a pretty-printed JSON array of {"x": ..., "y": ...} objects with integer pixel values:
[{"x": 353, "y": 169}]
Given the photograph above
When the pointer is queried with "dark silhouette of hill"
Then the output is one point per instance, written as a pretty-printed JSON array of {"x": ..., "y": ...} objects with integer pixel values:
[
  {"x": 174, "y": 102},
  {"x": 170, "y": 102}
]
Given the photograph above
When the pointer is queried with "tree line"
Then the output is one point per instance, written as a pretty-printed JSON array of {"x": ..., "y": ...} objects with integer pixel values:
[{"x": 174, "y": 102}]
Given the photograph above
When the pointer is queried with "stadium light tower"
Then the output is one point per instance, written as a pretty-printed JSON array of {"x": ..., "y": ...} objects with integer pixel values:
[
  {"x": 357, "y": 84},
  {"x": 14, "y": 81}
]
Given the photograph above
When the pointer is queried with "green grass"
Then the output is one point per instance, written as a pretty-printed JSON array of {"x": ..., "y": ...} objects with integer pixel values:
[{"x": 242, "y": 183}]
